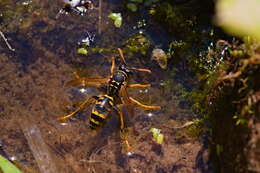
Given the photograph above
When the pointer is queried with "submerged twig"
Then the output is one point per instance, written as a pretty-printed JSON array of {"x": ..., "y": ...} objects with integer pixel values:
[
  {"x": 100, "y": 17},
  {"x": 6, "y": 41},
  {"x": 38, "y": 147},
  {"x": 187, "y": 124}
]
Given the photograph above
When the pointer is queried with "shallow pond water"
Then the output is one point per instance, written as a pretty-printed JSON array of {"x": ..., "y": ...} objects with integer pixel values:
[{"x": 34, "y": 95}]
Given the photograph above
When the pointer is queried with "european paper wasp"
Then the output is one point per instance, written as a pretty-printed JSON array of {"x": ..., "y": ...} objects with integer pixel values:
[
  {"x": 78, "y": 7},
  {"x": 114, "y": 97}
]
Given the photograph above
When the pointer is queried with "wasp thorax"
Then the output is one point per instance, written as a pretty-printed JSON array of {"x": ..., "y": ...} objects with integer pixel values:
[{"x": 119, "y": 77}]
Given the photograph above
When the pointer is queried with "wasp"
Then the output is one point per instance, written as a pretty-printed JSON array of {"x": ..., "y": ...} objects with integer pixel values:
[
  {"x": 78, "y": 7},
  {"x": 114, "y": 97}
]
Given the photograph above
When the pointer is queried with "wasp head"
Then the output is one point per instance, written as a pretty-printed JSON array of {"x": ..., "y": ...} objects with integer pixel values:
[{"x": 126, "y": 69}]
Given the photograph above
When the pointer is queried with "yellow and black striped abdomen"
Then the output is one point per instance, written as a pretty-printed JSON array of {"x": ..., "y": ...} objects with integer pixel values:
[{"x": 100, "y": 112}]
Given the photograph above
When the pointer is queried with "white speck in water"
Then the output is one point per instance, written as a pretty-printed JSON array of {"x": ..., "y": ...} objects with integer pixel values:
[
  {"x": 82, "y": 90},
  {"x": 146, "y": 91},
  {"x": 150, "y": 114},
  {"x": 13, "y": 158},
  {"x": 26, "y": 2},
  {"x": 63, "y": 124},
  {"x": 129, "y": 153}
]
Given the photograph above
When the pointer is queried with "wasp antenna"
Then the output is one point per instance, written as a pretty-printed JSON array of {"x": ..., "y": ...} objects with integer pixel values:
[
  {"x": 121, "y": 56},
  {"x": 144, "y": 70},
  {"x": 141, "y": 70}
]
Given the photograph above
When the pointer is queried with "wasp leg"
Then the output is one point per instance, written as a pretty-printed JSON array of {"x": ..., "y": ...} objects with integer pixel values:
[
  {"x": 137, "y": 103},
  {"x": 82, "y": 82},
  {"x": 121, "y": 55},
  {"x": 112, "y": 70},
  {"x": 126, "y": 100},
  {"x": 66, "y": 107},
  {"x": 120, "y": 116},
  {"x": 82, "y": 106},
  {"x": 139, "y": 85},
  {"x": 142, "y": 70},
  {"x": 123, "y": 133}
]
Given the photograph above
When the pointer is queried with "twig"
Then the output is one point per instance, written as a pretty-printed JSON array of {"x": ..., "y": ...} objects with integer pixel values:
[
  {"x": 100, "y": 17},
  {"x": 187, "y": 124},
  {"x": 38, "y": 146},
  {"x": 6, "y": 41}
]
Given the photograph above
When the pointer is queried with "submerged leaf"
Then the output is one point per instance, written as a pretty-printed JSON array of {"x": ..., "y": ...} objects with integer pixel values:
[
  {"x": 8, "y": 167},
  {"x": 157, "y": 136},
  {"x": 117, "y": 19},
  {"x": 82, "y": 51}
]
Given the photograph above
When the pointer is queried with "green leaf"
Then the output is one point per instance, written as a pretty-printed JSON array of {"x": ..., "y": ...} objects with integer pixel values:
[
  {"x": 157, "y": 136},
  {"x": 82, "y": 51},
  {"x": 132, "y": 7},
  {"x": 117, "y": 19},
  {"x": 159, "y": 139},
  {"x": 8, "y": 167},
  {"x": 239, "y": 17}
]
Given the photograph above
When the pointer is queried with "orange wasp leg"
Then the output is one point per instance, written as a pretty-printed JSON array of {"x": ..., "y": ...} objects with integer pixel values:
[
  {"x": 123, "y": 132},
  {"x": 137, "y": 103},
  {"x": 139, "y": 85},
  {"x": 82, "y": 106}
]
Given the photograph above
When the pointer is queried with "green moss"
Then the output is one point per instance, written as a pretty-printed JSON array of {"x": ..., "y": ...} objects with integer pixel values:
[
  {"x": 224, "y": 99},
  {"x": 137, "y": 44}
]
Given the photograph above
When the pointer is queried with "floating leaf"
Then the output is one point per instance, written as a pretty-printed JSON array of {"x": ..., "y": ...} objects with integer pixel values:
[
  {"x": 7, "y": 167},
  {"x": 132, "y": 7},
  {"x": 157, "y": 136},
  {"x": 82, "y": 51},
  {"x": 117, "y": 19}
]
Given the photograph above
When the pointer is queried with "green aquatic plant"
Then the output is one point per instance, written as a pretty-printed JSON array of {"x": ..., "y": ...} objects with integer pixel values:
[
  {"x": 228, "y": 99},
  {"x": 7, "y": 167},
  {"x": 82, "y": 51},
  {"x": 172, "y": 17},
  {"x": 137, "y": 44},
  {"x": 134, "y": 5},
  {"x": 117, "y": 18},
  {"x": 240, "y": 120},
  {"x": 157, "y": 135}
]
